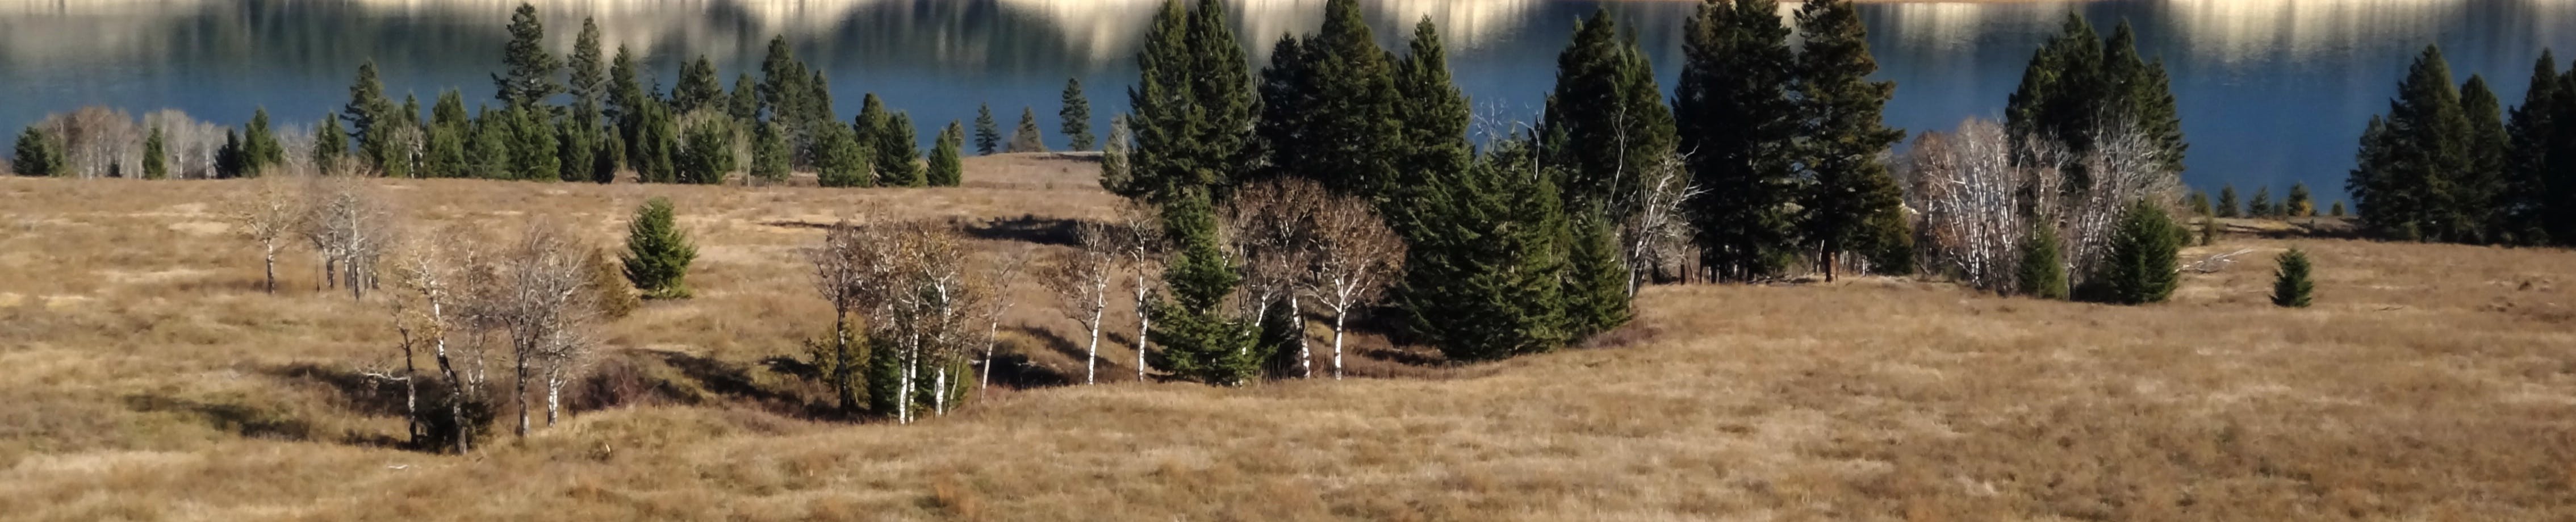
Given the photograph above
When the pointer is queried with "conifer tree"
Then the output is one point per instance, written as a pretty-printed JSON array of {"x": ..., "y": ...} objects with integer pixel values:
[
  {"x": 2042, "y": 270},
  {"x": 2338, "y": 209},
  {"x": 585, "y": 72},
  {"x": 36, "y": 154},
  {"x": 1735, "y": 115},
  {"x": 489, "y": 156},
  {"x": 946, "y": 168},
  {"x": 1484, "y": 273},
  {"x": 626, "y": 99},
  {"x": 1076, "y": 116},
  {"x": 531, "y": 75},
  {"x": 2227, "y": 205},
  {"x": 769, "y": 154},
  {"x": 2142, "y": 264},
  {"x": 2198, "y": 203},
  {"x": 2526, "y": 192},
  {"x": 656, "y": 145},
  {"x": 744, "y": 104},
  {"x": 2298, "y": 204},
  {"x": 2479, "y": 186},
  {"x": 1328, "y": 106},
  {"x": 1027, "y": 138},
  {"x": 260, "y": 148},
  {"x": 533, "y": 146},
  {"x": 658, "y": 254},
  {"x": 1432, "y": 114},
  {"x": 1193, "y": 118},
  {"x": 706, "y": 153},
  {"x": 898, "y": 157},
  {"x": 330, "y": 143},
  {"x": 698, "y": 88},
  {"x": 1200, "y": 340},
  {"x": 370, "y": 117},
  {"x": 988, "y": 138},
  {"x": 1853, "y": 199},
  {"x": 782, "y": 90},
  {"x": 2411, "y": 161},
  {"x": 156, "y": 159},
  {"x": 1606, "y": 120},
  {"x": 2261, "y": 207},
  {"x": 450, "y": 135},
  {"x": 1596, "y": 283},
  {"x": 2290, "y": 285},
  {"x": 839, "y": 159},
  {"x": 607, "y": 158},
  {"x": 232, "y": 161},
  {"x": 580, "y": 135},
  {"x": 2078, "y": 83}
]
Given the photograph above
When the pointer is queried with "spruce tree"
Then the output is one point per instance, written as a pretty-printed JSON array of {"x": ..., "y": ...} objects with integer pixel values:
[
  {"x": 1432, "y": 114},
  {"x": 231, "y": 160},
  {"x": 1596, "y": 282},
  {"x": 534, "y": 149},
  {"x": 1606, "y": 118},
  {"x": 260, "y": 148},
  {"x": 1027, "y": 138},
  {"x": 946, "y": 168},
  {"x": 2525, "y": 192},
  {"x": 1328, "y": 107},
  {"x": 2298, "y": 204},
  {"x": 988, "y": 138},
  {"x": 656, "y": 146},
  {"x": 1200, "y": 341},
  {"x": 489, "y": 155},
  {"x": 1853, "y": 199},
  {"x": 1076, "y": 116},
  {"x": 898, "y": 158},
  {"x": 329, "y": 144},
  {"x": 626, "y": 99},
  {"x": 2290, "y": 285},
  {"x": 1193, "y": 121},
  {"x": 2261, "y": 207},
  {"x": 657, "y": 252},
  {"x": 371, "y": 119},
  {"x": 706, "y": 153},
  {"x": 1484, "y": 272},
  {"x": 2042, "y": 270},
  {"x": 607, "y": 158},
  {"x": 782, "y": 91},
  {"x": 744, "y": 104},
  {"x": 2227, "y": 206},
  {"x": 2078, "y": 82},
  {"x": 2413, "y": 159},
  {"x": 585, "y": 72},
  {"x": 2480, "y": 185},
  {"x": 450, "y": 135},
  {"x": 1735, "y": 115},
  {"x": 769, "y": 154},
  {"x": 156, "y": 158},
  {"x": 2141, "y": 266},
  {"x": 531, "y": 75},
  {"x": 36, "y": 154},
  {"x": 839, "y": 159},
  {"x": 698, "y": 88}
]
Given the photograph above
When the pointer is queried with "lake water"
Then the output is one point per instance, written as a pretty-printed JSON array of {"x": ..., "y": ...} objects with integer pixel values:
[{"x": 2271, "y": 91}]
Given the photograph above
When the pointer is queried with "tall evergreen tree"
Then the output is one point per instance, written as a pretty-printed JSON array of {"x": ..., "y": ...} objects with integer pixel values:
[
  {"x": 946, "y": 168},
  {"x": 781, "y": 88},
  {"x": 988, "y": 137},
  {"x": 657, "y": 144},
  {"x": 449, "y": 137},
  {"x": 1193, "y": 119},
  {"x": 531, "y": 75},
  {"x": 370, "y": 117},
  {"x": 626, "y": 98},
  {"x": 1853, "y": 201},
  {"x": 2298, "y": 203},
  {"x": 156, "y": 158},
  {"x": 1596, "y": 279},
  {"x": 2525, "y": 191},
  {"x": 1609, "y": 114},
  {"x": 705, "y": 154},
  {"x": 533, "y": 146},
  {"x": 744, "y": 104},
  {"x": 1328, "y": 107},
  {"x": 2412, "y": 160},
  {"x": 1076, "y": 116},
  {"x": 2227, "y": 204},
  {"x": 588, "y": 83},
  {"x": 488, "y": 156},
  {"x": 872, "y": 120},
  {"x": 658, "y": 254},
  {"x": 2042, "y": 270},
  {"x": 1027, "y": 137},
  {"x": 1432, "y": 114},
  {"x": 1200, "y": 341},
  {"x": 1483, "y": 273},
  {"x": 585, "y": 73},
  {"x": 698, "y": 88},
  {"x": 231, "y": 160},
  {"x": 2290, "y": 285},
  {"x": 839, "y": 159},
  {"x": 2482, "y": 183},
  {"x": 898, "y": 155},
  {"x": 1736, "y": 116},
  {"x": 2261, "y": 207},
  {"x": 329, "y": 144},
  {"x": 2077, "y": 83},
  {"x": 36, "y": 154},
  {"x": 769, "y": 154},
  {"x": 259, "y": 145},
  {"x": 2141, "y": 265}
]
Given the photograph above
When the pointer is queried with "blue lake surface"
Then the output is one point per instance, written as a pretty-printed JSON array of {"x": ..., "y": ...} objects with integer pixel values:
[{"x": 2271, "y": 91}]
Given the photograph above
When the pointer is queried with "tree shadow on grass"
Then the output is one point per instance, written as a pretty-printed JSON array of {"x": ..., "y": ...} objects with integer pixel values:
[
  {"x": 1028, "y": 228},
  {"x": 240, "y": 418},
  {"x": 736, "y": 381}
]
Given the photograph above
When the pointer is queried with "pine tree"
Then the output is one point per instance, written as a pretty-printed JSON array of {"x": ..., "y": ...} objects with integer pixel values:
[
  {"x": 1027, "y": 138},
  {"x": 626, "y": 99},
  {"x": 1432, "y": 114},
  {"x": 706, "y": 153},
  {"x": 988, "y": 138},
  {"x": 657, "y": 252},
  {"x": 946, "y": 168},
  {"x": 1596, "y": 283},
  {"x": 232, "y": 161},
  {"x": 744, "y": 104},
  {"x": 156, "y": 159},
  {"x": 607, "y": 158},
  {"x": 259, "y": 146},
  {"x": 2198, "y": 203},
  {"x": 2298, "y": 204},
  {"x": 581, "y": 133},
  {"x": 371, "y": 118},
  {"x": 839, "y": 159},
  {"x": 656, "y": 146},
  {"x": 329, "y": 144},
  {"x": 1076, "y": 116},
  {"x": 2474, "y": 205},
  {"x": 533, "y": 145},
  {"x": 1483, "y": 276},
  {"x": 2042, "y": 271},
  {"x": 2524, "y": 196},
  {"x": 489, "y": 155},
  {"x": 1193, "y": 121},
  {"x": 2290, "y": 285},
  {"x": 1328, "y": 107},
  {"x": 769, "y": 154},
  {"x": 2412, "y": 160},
  {"x": 36, "y": 154},
  {"x": 1199, "y": 340},
  {"x": 2262, "y": 205},
  {"x": 585, "y": 71},
  {"x": 898, "y": 158},
  {"x": 698, "y": 89},
  {"x": 2142, "y": 266},
  {"x": 1853, "y": 199},
  {"x": 2077, "y": 83},
  {"x": 782, "y": 90},
  {"x": 450, "y": 135},
  {"x": 531, "y": 75},
  {"x": 2227, "y": 206},
  {"x": 1606, "y": 120},
  {"x": 1735, "y": 115}
]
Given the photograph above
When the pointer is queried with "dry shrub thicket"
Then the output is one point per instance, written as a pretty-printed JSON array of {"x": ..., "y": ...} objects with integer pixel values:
[
  {"x": 145, "y": 374},
  {"x": 1979, "y": 194}
]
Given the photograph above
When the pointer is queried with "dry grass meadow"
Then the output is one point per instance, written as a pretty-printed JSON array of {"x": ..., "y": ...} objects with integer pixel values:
[{"x": 143, "y": 376}]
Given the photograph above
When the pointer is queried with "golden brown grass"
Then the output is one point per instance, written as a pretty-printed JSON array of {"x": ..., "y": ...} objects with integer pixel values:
[{"x": 143, "y": 377}]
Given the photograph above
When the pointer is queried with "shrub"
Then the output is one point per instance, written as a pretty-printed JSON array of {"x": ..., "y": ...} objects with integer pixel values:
[
  {"x": 657, "y": 253},
  {"x": 2290, "y": 285},
  {"x": 2141, "y": 266},
  {"x": 2042, "y": 273}
]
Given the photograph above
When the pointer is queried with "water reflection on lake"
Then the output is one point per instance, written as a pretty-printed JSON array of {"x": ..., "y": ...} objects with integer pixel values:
[{"x": 2272, "y": 91}]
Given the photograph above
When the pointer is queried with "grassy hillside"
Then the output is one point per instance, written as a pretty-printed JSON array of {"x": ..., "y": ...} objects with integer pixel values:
[{"x": 144, "y": 376}]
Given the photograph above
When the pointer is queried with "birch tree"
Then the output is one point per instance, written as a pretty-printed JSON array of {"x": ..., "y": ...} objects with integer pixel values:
[
  {"x": 1274, "y": 235},
  {"x": 267, "y": 216},
  {"x": 851, "y": 268},
  {"x": 539, "y": 298},
  {"x": 1080, "y": 281},
  {"x": 1356, "y": 255},
  {"x": 1140, "y": 229},
  {"x": 1005, "y": 271},
  {"x": 1968, "y": 189},
  {"x": 349, "y": 226},
  {"x": 1653, "y": 229},
  {"x": 428, "y": 270}
]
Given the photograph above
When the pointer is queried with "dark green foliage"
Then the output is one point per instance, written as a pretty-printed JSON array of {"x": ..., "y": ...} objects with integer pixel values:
[
  {"x": 884, "y": 375},
  {"x": 37, "y": 154},
  {"x": 329, "y": 144},
  {"x": 2261, "y": 207},
  {"x": 1596, "y": 283},
  {"x": 2142, "y": 264},
  {"x": 839, "y": 160},
  {"x": 744, "y": 105},
  {"x": 626, "y": 99},
  {"x": 2227, "y": 205},
  {"x": 1076, "y": 116},
  {"x": 231, "y": 159},
  {"x": 607, "y": 158},
  {"x": 657, "y": 253},
  {"x": 655, "y": 145},
  {"x": 1193, "y": 104},
  {"x": 946, "y": 167},
  {"x": 1735, "y": 115},
  {"x": 898, "y": 159},
  {"x": 1200, "y": 340},
  {"x": 988, "y": 137},
  {"x": 2411, "y": 164},
  {"x": 1606, "y": 120},
  {"x": 2298, "y": 204},
  {"x": 1328, "y": 106},
  {"x": 488, "y": 156},
  {"x": 2530, "y": 201},
  {"x": 706, "y": 153},
  {"x": 2480, "y": 186},
  {"x": 1027, "y": 138},
  {"x": 533, "y": 145},
  {"x": 872, "y": 118},
  {"x": 260, "y": 148},
  {"x": 577, "y": 141},
  {"x": 1484, "y": 272},
  {"x": 2077, "y": 84},
  {"x": 769, "y": 154},
  {"x": 1433, "y": 115},
  {"x": 444, "y": 152},
  {"x": 2338, "y": 209},
  {"x": 156, "y": 157},
  {"x": 586, "y": 79},
  {"x": 531, "y": 75},
  {"x": 2198, "y": 202},
  {"x": 2290, "y": 285},
  {"x": 782, "y": 88},
  {"x": 371, "y": 119},
  {"x": 1853, "y": 201},
  {"x": 698, "y": 88},
  {"x": 2042, "y": 269}
]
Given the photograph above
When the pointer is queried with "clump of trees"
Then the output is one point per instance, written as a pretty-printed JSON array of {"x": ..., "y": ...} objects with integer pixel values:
[
  {"x": 2444, "y": 164},
  {"x": 907, "y": 299}
]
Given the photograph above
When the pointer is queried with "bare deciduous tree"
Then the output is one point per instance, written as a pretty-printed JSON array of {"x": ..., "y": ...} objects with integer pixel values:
[
  {"x": 349, "y": 227},
  {"x": 266, "y": 216},
  {"x": 1273, "y": 224},
  {"x": 1004, "y": 271},
  {"x": 2124, "y": 167},
  {"x": 1141, "y": 227},
  {"x": 1654, "y": 231},
  {"x": 1355, "y": 256},
  {"x": 536, "y": 294},
  {"x": 1969, "y": 191},
  {"x": 429, "y": 270},
  {"x": 1080, "y": 280},
  {"x": 932, "y": 307},
  {"x": 853, "y": 269}
]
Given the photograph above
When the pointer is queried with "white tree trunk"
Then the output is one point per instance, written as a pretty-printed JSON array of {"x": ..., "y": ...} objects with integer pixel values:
[
  {"x": 1144, "y": 334},
  {"x": 1091, "y": 359},
  {"x": 903, "y": 397},
  {"x": 554, "y": 397},
  {"x": 991, "y": 340},
  {"x": 1337, "y": 343},
  {"x": 1297, "y": 332},
  {"x": 939, "y": 393}
]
